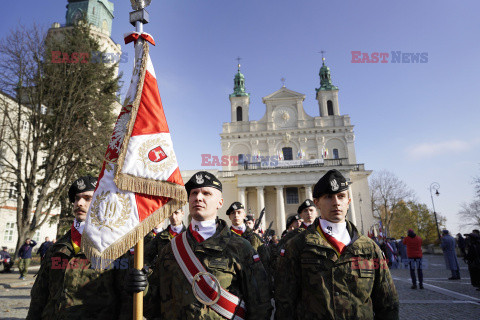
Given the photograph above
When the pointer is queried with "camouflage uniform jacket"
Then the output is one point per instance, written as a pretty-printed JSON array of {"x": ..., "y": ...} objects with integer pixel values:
[
  {"x": 275, "y": 250},
  {"x": 230, "y": 259},
  {"x": 312, "y": 282},
  {"x": 66, "y": 287},
  {"x": 155, "y": 243},
  {"x": 259, "y": 246}
]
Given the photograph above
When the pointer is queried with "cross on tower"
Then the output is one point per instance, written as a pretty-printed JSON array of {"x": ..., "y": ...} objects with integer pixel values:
[
  {"x": 238, "y": 59},
  {"x": 322, "y": 52},
  {"x": 283, "y": 81}
]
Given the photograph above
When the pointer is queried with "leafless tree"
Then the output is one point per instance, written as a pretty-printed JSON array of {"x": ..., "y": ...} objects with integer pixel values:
[
  {"x": 56, "y": 119},
  {"x": 470, "y": 214},
  {"x": 387, "y": 194}
]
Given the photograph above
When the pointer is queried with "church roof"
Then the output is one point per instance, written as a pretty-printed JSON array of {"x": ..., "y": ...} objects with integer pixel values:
[{"x": 284, "y": 93}]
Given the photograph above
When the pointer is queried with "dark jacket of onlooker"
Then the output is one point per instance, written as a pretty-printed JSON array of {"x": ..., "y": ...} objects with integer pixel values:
[
  {"x": 448, "y": 247},
  {"x": 461, "y": 243},
  {"x": 414, "y": 245},
  {"x": 44, "y": 247},
  {"x": 402, "y": 249},
  {"x": 25, "y": 251}
]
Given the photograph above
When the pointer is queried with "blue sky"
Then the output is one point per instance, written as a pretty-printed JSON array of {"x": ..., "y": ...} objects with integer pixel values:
[{"x": 417, "y": 120}]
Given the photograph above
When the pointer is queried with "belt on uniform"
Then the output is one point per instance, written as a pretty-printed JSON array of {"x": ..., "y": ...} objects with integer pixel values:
[{"x": 225, "y": 303}]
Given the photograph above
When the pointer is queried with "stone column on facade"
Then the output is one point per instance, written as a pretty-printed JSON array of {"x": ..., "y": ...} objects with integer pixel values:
[
  {"x": 281, "y": 219},
  {"x": 261, "y": 205},
  {"x": 241, "y": 196},
  {"x": 352, "y": 208},
  {"x": 308, "y": 192}
]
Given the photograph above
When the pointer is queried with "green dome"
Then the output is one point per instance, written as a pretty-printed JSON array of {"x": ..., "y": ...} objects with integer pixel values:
[
  {"x": 239, "y": 85},
  {"x": 325, "y": 78}
]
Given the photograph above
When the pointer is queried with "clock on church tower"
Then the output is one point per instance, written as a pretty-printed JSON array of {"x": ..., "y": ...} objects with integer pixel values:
[{"x": 284, "y": 117}]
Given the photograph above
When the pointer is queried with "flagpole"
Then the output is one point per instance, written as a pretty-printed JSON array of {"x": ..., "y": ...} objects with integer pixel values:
[{"x": 138, "y": 18}]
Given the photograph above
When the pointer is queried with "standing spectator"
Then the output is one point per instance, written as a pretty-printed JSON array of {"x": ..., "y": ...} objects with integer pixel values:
[
  {"x": 402, "y": 252},
  {"x": 44, "y": 247},
  {"x": 472, "y": 257},
  {"x": 6, "y": 260},
  {"x": 461, "y": 243},
  {"x": 415, "y": 257},
  {"x": 448, "y": 247},
  {"x": 25, "y": 255},
  {"x": 392, "y": 253}
]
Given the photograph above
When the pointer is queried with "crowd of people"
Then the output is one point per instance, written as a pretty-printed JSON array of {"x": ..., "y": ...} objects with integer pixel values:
[
  {"x": 24, "y": 256},
  {"x": 407, "y": 253},
  {"x": 320, "y": 268}
]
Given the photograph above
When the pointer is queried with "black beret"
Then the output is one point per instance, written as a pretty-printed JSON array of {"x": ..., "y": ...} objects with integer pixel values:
[
  {"x": 307, "y": 203},
  {"x": 291, "y": 219},
  {"x": 249, "y": 217},
  {"x": 234, "y": 206},
  {"x": 83, "y": 184},
  {"x": 203, "y": 179},
  {"x": 332, "y": 182}
]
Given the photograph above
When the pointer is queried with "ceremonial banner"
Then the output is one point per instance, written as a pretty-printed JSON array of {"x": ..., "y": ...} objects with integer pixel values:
[{"x": 140, "y": 183}]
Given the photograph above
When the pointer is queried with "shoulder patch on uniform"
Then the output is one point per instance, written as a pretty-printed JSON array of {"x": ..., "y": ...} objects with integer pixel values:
[
  {"x": 256, "y": 257},
  {"x": 282, "y": 252}
]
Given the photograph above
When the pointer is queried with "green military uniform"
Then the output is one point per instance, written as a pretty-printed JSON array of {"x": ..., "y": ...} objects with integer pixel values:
[
  {"x": 230, "y": 259},
  {"x": 313, "y": 282},
  {"x": 258, "y": 245},
  {"x": 66, "y": 287},
  {"x": 155, "y": 243},
  {"x": 275, "y": 250}
]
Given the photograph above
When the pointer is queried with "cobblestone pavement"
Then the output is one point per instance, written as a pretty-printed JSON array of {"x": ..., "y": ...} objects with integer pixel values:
[{"x": 441, "y": 299}]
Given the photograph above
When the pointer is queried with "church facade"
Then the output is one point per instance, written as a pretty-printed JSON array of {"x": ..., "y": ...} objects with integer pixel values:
[{"x": 274, "y": 162}]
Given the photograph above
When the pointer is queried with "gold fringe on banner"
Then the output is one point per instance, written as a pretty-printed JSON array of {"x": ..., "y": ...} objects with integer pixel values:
[
  {"x": 151, "y": 187},
  {"x": 101, "y": 260}
]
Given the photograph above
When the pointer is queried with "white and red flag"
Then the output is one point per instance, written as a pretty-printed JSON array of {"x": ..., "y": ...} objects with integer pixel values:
[{"x": 140, "y": 183}]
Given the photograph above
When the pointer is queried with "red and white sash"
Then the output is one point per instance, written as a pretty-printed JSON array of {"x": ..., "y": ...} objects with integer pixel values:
[{"x": 190, "y": 265}]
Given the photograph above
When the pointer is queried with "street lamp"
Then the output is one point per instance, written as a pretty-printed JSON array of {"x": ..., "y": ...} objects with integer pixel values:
[
  {"x": 435, "y": 186},
  {"x": 361, "y": 217}
]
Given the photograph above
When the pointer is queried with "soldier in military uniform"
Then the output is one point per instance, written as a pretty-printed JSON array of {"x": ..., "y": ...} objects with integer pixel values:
[
  {"x": 207, "y": 244},
  {"x": 66, "y": 287},
  {"x": 250, "y": 221},
  {"x": 159, "y": 240},
  {"x": 307, "y": 212},
  {"x": 330, "y": 271},
  {"x": 293, "y": 224},
  {"x": 237, "y": 215}
]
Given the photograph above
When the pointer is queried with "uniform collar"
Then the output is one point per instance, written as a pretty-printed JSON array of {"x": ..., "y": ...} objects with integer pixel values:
[
  {"x": 337, "y": 230},
  {"x": 177, "y": 229},
  {"x": 205, "y": 228},
  {"x": 241, "y": 227},
  {"x": 79, "y": 225}
]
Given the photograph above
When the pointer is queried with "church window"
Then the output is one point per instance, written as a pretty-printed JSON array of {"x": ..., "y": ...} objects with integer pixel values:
[
  {"x": 93, "y": 11},
  {"x": 335, "y": 154},
  {"x": 330, "y": 107},
  {"x": 36, "y": 237},
  {"x": 239, "y": 114},
  {"x": 9, "y": 230},
  {"x": 241, "y": 158},
  {"x": 287, "y": 153},
  {"x": 292, "y": 195}
]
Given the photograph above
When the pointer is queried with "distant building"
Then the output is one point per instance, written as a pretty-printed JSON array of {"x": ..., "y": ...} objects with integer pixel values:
[
  {"x": 99, "y": 15},
  {"x": 275, "y": 161}
]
